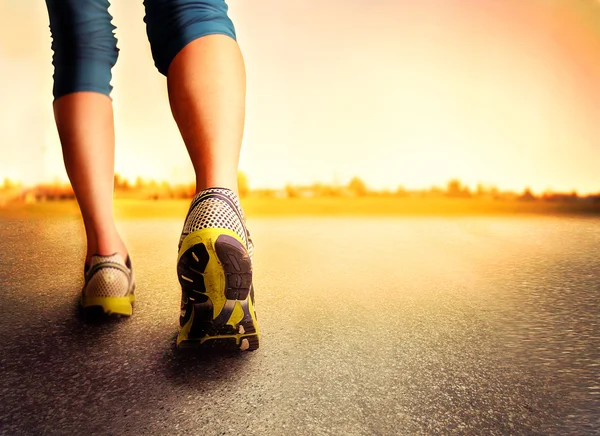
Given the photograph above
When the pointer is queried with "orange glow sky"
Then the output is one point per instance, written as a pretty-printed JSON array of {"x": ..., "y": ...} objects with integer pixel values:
[{"x": 408, "y": 93}]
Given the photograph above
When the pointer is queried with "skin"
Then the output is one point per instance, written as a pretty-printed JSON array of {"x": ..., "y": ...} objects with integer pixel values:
[
  {"x": 87, "y": 135},
  {"x": 207, "y": 93}
]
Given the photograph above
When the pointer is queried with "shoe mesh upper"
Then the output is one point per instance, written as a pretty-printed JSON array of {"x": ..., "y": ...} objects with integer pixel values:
[
  {"x": 108, "y": 281},
  {"x": 213, "y": 212}
]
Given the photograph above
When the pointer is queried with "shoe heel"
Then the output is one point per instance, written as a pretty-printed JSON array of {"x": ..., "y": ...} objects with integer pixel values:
[
  {"x": 237, "y": 267},
  {"x": 111, "y": 306},
  {"x": 233, "y": 259},
  {"x": 215, "y": 273}
]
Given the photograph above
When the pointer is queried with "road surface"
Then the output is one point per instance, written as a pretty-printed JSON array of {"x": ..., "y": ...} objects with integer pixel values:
[{"x": 370, "y": 326}]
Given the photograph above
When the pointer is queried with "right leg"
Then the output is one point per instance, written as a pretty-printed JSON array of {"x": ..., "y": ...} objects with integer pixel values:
[
  {"x": 193, "y": 44},
  {"x": 84, "y": 53}
]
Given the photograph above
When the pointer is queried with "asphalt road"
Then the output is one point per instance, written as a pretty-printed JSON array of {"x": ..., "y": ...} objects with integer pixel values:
[{"x": 369, "y": 327}]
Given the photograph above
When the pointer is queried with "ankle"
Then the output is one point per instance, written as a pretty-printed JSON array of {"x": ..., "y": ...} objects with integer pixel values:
[
  {"x": 222, "y": 183},
  {"x": 107, "y": 247}
]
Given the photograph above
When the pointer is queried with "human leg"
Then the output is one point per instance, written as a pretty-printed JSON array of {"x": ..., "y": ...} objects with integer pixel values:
[
  {"x": 193, "y": 44},
  {"x": 84, "y": 53}
]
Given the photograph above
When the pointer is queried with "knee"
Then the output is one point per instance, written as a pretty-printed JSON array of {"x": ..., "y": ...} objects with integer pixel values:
[
  {"x": 172, "y": 24},
  {"x": 84, "y": 46}
]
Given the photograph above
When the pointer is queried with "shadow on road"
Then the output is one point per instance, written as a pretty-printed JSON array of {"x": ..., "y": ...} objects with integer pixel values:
[
  {"x": 86, "y": 371},
  {"x": 199, "y": 365}
]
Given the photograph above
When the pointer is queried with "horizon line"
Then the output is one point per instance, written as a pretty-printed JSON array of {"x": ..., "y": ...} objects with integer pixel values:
[{"x": 7, "y": 183}]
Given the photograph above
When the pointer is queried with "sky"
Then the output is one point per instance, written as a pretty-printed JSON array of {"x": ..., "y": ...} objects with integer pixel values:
[{"x": 400, "y": 93}]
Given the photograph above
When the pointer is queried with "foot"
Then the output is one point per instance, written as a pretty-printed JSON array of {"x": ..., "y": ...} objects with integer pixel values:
[
  {"x": 214, "y": 267},
  {"x": 109, "y": 285}
]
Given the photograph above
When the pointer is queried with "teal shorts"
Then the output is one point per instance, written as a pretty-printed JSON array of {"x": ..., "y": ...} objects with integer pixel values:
[{"x": 85, "y": 47}]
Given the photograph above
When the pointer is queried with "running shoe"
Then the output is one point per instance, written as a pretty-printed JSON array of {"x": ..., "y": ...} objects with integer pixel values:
[
  {"x": 214, "y": 268},
  {"x": 109, "y": 285}
]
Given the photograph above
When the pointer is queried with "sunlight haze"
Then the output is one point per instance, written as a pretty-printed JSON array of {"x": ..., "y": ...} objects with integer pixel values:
[{"x": 396, "y": 92}]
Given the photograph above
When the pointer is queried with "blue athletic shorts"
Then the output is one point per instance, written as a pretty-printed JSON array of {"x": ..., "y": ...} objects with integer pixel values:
[{"x": 85, "y": 47}]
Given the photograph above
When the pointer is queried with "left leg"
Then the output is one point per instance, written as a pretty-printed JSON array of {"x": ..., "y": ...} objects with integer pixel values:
[{"x": 85, "y": 51}]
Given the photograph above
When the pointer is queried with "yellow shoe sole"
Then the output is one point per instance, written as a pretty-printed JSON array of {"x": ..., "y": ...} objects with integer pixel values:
[
  {"x": 217, "y": 305},
  {"x": 122, "y": 306}
]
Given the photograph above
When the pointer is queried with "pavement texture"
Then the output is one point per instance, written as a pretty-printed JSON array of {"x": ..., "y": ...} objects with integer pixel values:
[{"x": 369, "y": 327}]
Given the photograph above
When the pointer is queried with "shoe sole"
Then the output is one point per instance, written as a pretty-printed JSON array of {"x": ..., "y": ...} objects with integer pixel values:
[
  {"x": 215, "y": 273},
  {"x": 111, "y": 306}
]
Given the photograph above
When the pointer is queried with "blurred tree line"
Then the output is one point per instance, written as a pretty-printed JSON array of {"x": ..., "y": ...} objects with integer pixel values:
[{"x": 356, "y": 187}]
